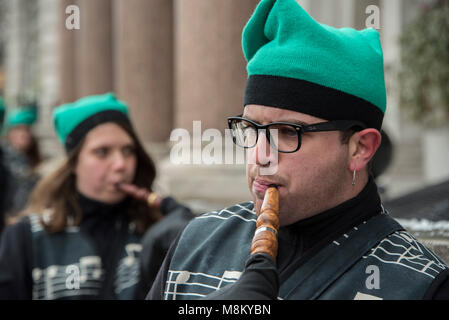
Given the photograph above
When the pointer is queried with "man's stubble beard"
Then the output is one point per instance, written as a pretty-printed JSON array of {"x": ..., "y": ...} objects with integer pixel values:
[{"x": 322, "y": 191}]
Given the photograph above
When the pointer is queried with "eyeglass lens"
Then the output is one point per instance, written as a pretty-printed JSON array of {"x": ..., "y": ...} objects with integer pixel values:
[{"x": 283, "y": 137}]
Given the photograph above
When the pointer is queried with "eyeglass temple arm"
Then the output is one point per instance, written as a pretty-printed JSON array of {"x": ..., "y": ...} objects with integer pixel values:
[{"x": 333, "y": 125}]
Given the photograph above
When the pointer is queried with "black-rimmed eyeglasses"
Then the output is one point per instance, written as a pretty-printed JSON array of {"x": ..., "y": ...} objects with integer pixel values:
[{"x": 283, "y": 136}]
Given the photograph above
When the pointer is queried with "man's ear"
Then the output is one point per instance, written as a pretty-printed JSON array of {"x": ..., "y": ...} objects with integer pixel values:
[{"x": 362, "y": 147}]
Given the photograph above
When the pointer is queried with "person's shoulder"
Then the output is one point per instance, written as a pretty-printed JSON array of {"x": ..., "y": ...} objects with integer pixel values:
[
  {"x": 402, "y": 249},
  {"x": 239, "y": 216},
  {"x": 241, "y": 212},
  {"x": 4, "y": 157},
  {"x": 14, "y": 162},
  {"x": 166, "y": 228},
  {"x": 10, "y": 154},
  {"x": 17, "y": 232},
  {"x": 439, "y": 290},
  {"x": 21, "y": 225}
]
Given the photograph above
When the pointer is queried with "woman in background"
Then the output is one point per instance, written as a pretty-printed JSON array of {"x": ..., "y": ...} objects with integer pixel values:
[
  {"x": 82, "y": 238},
  {"x": 21, "y": 157},
  {"x": 3, "y": 173},
  {"x": 19, "y": 133}
]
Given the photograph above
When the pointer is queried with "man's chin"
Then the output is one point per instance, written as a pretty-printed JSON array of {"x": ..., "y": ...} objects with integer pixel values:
[{"x": 258, "y": 201}]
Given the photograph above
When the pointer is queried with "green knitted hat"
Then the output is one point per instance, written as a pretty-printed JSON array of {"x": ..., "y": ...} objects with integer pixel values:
[
  {"x": 2, "y": 111},
  {"x": 299, "y": 64},
  {"x": 74, "y": 120},
  {"x": 21, "y": 116}
]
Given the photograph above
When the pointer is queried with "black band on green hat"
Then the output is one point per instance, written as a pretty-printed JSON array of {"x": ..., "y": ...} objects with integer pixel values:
[
  {"x": 74, "y": 137},
  {"x": 310, "y": 98}
]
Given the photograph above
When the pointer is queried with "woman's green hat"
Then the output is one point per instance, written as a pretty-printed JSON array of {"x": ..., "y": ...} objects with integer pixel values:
[
  {"x": 299, "y": 64},
  {"x": 21, "y": 116},
  {"x": 74, "y": 120}
]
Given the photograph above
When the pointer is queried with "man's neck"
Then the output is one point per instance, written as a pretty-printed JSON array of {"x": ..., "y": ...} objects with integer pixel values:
[{"x": 354, "y": 188}]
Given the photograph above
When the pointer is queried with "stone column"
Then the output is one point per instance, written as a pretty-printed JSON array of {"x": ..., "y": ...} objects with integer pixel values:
[
  {"x": 210, "y": 77},
  {"x": 50, "y": 23},
  {"x": 210, "y": 69},
  {"x": 143, "y": 41},
  {"x": 67, "y": 56},
  {"x": 94, "y": 48},
  {"x": 391, "y": 27},
  {"x": 14, "y": 48}
]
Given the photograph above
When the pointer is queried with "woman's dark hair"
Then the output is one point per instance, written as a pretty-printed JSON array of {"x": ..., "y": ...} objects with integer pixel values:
[
  {"x": 33, "y": 153},
  {"x": 55, "y": 198},
  {"x": 144, "y": 177}
]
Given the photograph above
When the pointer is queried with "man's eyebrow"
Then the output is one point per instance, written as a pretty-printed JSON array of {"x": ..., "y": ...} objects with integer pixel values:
[
  {"x": 295, "y": 121},
  {"x": 290, "y": 120}
]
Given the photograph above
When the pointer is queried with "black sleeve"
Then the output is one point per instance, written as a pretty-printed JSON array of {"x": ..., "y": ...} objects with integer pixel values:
[
  {"x": 169, "y": 205},
  {"x": 5, "y": 196},
  {"x": 15, "y": 262},
  {"x": 259, "y": 281},
  {"x": 439, "y": 289},
  {"x": 158, "y": 239},
  {"x": 3, "y": 178},
  {"x": 157, "y": 290}
]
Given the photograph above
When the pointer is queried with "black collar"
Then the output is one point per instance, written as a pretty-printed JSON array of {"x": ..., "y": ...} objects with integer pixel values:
[
  {"x": 97, "y": 210},
  {"x": 103, "y": 224}
]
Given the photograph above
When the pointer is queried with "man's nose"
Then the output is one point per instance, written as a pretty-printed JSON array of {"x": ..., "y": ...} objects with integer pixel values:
[{"x": 264, "y": 152}]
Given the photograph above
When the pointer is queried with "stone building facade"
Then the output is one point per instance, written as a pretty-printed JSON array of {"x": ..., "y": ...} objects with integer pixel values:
[{"x": 175, "y": 62}]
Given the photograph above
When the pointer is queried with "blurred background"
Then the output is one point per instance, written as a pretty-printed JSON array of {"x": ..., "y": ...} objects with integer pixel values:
[{"x": 177, "y": 61}]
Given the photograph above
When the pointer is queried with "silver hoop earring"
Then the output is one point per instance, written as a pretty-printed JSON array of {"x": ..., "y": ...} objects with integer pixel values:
[{"x": 353, "y": 177}]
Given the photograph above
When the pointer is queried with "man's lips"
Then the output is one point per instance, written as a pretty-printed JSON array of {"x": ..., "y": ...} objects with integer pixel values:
[{"x": 262, "y": 185}]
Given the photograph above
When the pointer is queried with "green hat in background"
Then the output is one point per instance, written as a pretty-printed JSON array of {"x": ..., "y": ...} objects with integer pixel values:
[
  {"x": 298, "y": 64},
  {"x": 21, "y": 116},
  {"x": 2, "y": 111},
  {"x": 74, "y": 120}
]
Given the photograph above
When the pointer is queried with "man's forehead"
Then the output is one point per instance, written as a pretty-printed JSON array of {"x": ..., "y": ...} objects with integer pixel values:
[{"x": 266, "y": 114}]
